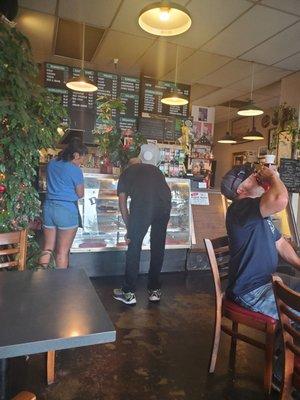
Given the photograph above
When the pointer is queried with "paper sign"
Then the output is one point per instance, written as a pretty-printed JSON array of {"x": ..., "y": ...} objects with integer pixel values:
[{"x": 199, "y": 199}]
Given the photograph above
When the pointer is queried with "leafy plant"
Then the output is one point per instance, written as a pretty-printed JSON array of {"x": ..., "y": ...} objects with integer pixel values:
[
  {"x": 112, "y": 145},
  {"x": 29, "y": 117}
]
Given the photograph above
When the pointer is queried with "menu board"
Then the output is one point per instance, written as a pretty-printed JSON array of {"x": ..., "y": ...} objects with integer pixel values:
[
  {"x": 289, "y": 172},
  {"x": 152, "y": 92},
  {"x": 152, "y": 128},
  {"x": 56, "y": 75}
]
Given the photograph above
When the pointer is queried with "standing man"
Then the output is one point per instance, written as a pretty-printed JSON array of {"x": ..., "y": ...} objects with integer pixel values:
[
  {"x": 254, "y": 242},
  {"x": 150, "y": 206}
]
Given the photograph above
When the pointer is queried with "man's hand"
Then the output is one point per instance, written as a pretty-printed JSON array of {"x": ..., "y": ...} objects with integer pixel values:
[{"x": 126, "y": 238}]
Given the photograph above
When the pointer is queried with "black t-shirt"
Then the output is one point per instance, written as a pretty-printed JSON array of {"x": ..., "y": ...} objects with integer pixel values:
[
  {"x": 146, "y": 186},
  {"x": 253, "y": 252}
]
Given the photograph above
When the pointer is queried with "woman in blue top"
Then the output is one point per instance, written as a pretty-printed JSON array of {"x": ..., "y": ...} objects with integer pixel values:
[{"x": 60, "y": 211}]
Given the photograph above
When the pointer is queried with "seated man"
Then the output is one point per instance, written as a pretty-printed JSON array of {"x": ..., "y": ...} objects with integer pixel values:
[{"x": 254, "y": 242}]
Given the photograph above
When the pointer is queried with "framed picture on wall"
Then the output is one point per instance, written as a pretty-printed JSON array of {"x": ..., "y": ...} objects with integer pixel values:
[
  {"x": 262, "y": 151},
  {"x": 272, "y": 139},
  {"x": 284, "y": 149},
  {"x": 239, "y": 158}
]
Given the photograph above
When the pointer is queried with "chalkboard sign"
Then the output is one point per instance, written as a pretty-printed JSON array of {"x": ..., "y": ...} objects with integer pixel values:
[
  {"x": 152, "y": 128},
  {"x": 152, "y": 92},
  {"x": 56, "y": 75},
  {"x": 289, "y": 171}
]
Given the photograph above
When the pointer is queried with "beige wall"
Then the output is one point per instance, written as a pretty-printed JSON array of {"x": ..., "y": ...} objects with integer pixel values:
[
  {"x": 223, "y": 153},
  {"x": 290, "y": 90}
]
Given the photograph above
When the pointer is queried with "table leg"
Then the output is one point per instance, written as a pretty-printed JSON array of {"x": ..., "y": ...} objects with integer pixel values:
[{"x": 3, "y": 370}]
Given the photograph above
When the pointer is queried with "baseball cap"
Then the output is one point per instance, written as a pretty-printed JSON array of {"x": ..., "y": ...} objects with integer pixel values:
[
  {"x": 232, "y": 180},
  {"x": 149, "y": 154}
]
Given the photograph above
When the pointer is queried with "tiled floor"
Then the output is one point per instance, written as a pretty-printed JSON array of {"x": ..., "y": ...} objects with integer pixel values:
[{"x": 161, "y": 352}]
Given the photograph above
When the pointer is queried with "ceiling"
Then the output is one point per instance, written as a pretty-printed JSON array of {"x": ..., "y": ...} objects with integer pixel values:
[{"x": 215, "y": 55}]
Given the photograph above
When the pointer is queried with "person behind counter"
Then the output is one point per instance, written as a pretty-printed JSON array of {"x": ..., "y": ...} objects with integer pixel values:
[
  {"x": 61, "y": 216},
  {"x": 150, "y": 206}
]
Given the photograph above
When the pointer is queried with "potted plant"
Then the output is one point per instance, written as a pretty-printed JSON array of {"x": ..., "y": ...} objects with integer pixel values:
[{"x": 29, "y": 117}]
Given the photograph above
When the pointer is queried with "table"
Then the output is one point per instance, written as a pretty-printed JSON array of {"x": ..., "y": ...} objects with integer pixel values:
[{"x": 48, "y": 310}]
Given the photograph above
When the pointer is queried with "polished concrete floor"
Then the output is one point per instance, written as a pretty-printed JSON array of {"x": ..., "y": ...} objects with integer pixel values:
[{"x": 161, "y": 352}]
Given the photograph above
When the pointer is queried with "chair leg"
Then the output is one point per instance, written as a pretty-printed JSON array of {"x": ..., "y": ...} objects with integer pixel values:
[
  {"x": 232, "y": 354},
  {"x": 50, "y": 367},
  {"x": 216, "y": 342},
  {"x": 269, "y": 355}
]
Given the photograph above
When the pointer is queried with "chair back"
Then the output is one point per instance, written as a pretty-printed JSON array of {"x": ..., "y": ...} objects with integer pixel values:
[
  {"x": 288, "y": 307},
  {"x": 13, "y": 249},
  {"x": 217, "y": 251}
]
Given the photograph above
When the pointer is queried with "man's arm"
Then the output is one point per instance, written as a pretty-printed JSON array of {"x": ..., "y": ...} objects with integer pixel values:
[
  {"x": 123, "y": 208},
  {"x": 276, "y": 198},
  {"x": 287, "y": 252}
]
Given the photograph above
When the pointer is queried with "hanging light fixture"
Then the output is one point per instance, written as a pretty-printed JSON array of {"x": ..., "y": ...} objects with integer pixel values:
[
  {"x": 165, "y": 18},
  {"x": 228, "y": 138},
  {"x": 250, "y": 109},
  {"x": 253, "y": 134},
  {"x": 173, "y": 97},
  {"x": 82, "y": 83}
]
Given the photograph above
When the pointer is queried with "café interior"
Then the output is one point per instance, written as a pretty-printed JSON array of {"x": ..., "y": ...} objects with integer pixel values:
[{"x": 232, "y": 55}]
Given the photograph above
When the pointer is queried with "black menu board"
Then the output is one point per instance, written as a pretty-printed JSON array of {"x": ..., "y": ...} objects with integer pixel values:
[
  {"x": 129, "y": 94},
  {"x": 152, "y": 92},
  {"x": 56, "y": 75},
  {"x": 108, "y": 87},
  {"x": 152, "y": 128},
  {"x": 81, "y": 100},
  {"x": 289, "y": 171}
]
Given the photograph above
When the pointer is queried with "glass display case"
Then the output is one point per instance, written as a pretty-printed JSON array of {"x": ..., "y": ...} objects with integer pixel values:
[{"x": 103, "y": 228}]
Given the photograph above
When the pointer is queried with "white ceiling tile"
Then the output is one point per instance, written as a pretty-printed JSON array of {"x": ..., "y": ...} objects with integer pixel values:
[
  {"x": 160, "y": 58},
  {"x": 252, "y": 28},
  {"x": 292, "y": 6},
  {"x": 292, "y": 63},
  {"x": 199, "y": 90},
  {"x": 230, "y": 73},
  {"x": 197, "y": 66},
  {"x": 127, "y": 48},
  {"x": 46, "y": 6},
  {"x": 208, "y": 18},
  {"x": 276, "y": 48},
  {"x": 128, "y": 15},
  {"x": 262, "y": 78},
  {"x": 95, "y": 12},
  {"x": 39, "y": 28},
  {"x": 218, "y": 97}
]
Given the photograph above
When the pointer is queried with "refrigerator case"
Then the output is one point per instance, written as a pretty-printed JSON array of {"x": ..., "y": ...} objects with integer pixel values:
[{"x": 103, "y": 226}]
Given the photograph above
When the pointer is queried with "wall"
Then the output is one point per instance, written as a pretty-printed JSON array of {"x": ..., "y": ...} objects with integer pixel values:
[
  {"x": 223, "y": 153},
  {"x": 290, "y": 90}
]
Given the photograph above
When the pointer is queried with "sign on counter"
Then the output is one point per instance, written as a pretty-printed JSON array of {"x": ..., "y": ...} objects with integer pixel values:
[{"x": 199, "y": 199}]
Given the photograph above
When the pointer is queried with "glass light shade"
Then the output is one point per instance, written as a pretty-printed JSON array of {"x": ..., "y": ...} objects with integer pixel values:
[
  {"x": 81, "y": 84},
  {"x": 227, "y": 139},
  {"x": 250, "y": 110},
  {"x": 165, "y": 18},
  {"x": 253, "y": 135},
  {"x": 174, "y": 98}
]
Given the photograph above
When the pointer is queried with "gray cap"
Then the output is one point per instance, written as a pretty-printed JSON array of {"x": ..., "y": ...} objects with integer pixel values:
[
  {"x": 232, "y": 180},
  {"x": 149, "y": 154}
]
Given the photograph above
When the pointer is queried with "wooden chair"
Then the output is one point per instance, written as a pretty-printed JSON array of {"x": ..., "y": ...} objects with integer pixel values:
[
  {"x": 218, "y": 256},
  {"x": 288, "y": 301},
  {"x": 25, "y": 396},
  {"x": 13, "y": 249}
]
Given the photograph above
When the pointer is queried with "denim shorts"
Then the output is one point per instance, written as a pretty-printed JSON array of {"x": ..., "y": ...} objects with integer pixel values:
[{"x": 60, "y": 214}]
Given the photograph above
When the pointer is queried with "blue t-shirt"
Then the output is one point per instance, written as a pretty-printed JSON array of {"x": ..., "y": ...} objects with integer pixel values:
[
  {"x": 253, "y": 253},
  {"x": 62, "y": 179}
]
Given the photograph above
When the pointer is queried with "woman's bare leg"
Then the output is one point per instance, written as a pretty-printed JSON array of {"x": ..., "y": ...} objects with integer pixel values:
[
  {"x": 48, "y": 246},
  {"x": 64, "y": 242}
]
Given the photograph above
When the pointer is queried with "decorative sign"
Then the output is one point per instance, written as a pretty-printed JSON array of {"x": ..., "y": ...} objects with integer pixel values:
[
  {"x": 199, "y": 198},
  {"x": 289, "y": 171}
]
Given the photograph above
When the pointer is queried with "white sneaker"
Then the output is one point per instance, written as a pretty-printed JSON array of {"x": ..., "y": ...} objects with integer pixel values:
[
  {"x": 154, "y": 295},
  {"x": 127, "y": 298}
]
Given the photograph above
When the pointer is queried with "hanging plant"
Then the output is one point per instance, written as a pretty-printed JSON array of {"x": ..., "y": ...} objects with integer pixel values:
[
  {"x": 29, "y": 117},
  {"x": 112, "y": 146}
]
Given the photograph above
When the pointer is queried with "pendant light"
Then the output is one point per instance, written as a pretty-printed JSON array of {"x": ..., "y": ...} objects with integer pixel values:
[
  {"x": 173, "y": 97},
  {"x": 250, "y": 109},
  {"x": 253, "y": 134},
  {"x": 165, "y": 18},
  {"x": 228, "y": 138},
  {"x": 82, "y": 83}
]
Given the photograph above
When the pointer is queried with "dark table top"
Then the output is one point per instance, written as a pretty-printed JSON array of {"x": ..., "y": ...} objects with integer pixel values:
[{"x": 50, "y": 310}]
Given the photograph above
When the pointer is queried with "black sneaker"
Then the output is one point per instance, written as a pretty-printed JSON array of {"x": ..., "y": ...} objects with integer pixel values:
[
  {"x": 127, "y": 298},
  {"x": 154, "y": 295}
]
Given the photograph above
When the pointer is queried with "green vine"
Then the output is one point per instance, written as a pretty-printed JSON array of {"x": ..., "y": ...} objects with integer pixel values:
[
  {"x": 29, "y": 117},
  {"x": 112, "y": 144}
]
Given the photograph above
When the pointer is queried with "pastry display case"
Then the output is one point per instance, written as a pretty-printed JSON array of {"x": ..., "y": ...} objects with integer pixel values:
[{"x": 103, "y": 228}]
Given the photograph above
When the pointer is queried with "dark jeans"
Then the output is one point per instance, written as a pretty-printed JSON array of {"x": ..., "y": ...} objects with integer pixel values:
[{"x": 139, "y": 222}]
